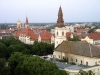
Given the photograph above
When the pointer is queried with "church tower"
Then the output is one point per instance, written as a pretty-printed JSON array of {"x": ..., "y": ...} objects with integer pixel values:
[
  {"x": 60, "y": 29},
  {"x": 26, "y": 24},
  {"x": 18, "y": 24}
]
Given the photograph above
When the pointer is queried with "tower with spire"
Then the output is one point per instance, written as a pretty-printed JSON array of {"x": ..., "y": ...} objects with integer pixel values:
[
  {"x": 60, "y": 29},
  {"x": 26, "y": 23}
]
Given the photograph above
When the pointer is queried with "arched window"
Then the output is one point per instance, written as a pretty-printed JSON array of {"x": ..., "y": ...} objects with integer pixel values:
[
  {"x": 57, "y": 33},
  {"x": 62, "y": 33}
]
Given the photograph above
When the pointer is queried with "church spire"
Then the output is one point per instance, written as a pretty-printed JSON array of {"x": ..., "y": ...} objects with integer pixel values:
[
  {"x": 60, "y": 21},
  {"x": 26, "y": 20}
]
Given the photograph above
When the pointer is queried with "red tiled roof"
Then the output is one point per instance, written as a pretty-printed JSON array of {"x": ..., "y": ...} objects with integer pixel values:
[
  {"x": 94, "y": 36},
  {"x": 45, "y": 35},
  {"x": 68, "y": 34},
  {"x": 5, "y": 31},
  {"x": 81, "y": 30}
]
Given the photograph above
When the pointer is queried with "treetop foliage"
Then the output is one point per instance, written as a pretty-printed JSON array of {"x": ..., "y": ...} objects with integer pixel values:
[{"x": 22, "y": 64}]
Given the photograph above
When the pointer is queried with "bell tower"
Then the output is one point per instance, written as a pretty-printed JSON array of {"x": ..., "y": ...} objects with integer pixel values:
[
  {"x": 60, "y": 29},
  {"x": 26, "y": 24}
]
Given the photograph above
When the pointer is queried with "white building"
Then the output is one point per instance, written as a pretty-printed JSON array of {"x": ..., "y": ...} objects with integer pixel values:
[
  {"x": 93, "y": 38},
  {"x": 80, "y": 53}
]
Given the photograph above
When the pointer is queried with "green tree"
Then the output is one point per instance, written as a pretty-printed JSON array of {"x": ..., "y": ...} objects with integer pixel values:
[
  {"x": 4, "y": 70},
  {"x": 42, "y": 48},
  {"x": 3, "y": 51},
  {"x": 81, "y": 72},
  {"x": 93, "y": 29},
  {"x": 90, "y": 72},
  {"x": 73, "y": 39},
  {"x": 14, "y": 61},
  {"x": 22, "y": 64}
]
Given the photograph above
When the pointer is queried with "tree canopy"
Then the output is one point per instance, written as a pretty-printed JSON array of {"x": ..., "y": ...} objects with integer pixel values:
[
  {"x": 10, "y": 45},
  {"x": 73, "y": 39},
  {"x": 22, "y": 64}
]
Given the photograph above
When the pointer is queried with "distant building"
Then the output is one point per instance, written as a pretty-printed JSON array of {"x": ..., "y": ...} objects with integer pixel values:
[
  {"x": 18, "y": 24},
  {"x": 28, "y": 35},
  {"x": 5, "y": 34},
  {"x": 93, "y": 38},
  {"x": 97, "y": 30},
  {"x": 70, "y": 28}
]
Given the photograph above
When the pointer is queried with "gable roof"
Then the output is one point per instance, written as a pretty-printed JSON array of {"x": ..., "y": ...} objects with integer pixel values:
[
  {"x": 78, "y": 48},
  {"x": 94, "y": 36}
]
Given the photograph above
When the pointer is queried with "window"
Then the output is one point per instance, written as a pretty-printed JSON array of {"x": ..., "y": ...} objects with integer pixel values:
[
  {"x": 81, "y": 62},
  {"x": 87, "y": 63},
  {"x": 62, "y": 33},
  {"x": 96, "y": 43},
  {"x": 76, "y": 60},
  {"x": 95, "y": 63},
  {"x": 57, "y": 33},
  {"x": 72, "y": 59},
  {"x": 59, "y": 56},
  {"x": 63, "y": 57}
]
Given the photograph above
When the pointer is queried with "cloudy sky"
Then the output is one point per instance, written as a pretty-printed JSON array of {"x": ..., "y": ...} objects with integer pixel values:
[{"x": 46, "y": 11}]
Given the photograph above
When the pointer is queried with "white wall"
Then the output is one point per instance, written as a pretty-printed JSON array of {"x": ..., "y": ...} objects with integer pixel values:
[
  {"x": 80, "y": 59},
  {"x": 25, "y": 39},
  {"x": 88, "y": 40},
  {"x": 60, "y": 35}
]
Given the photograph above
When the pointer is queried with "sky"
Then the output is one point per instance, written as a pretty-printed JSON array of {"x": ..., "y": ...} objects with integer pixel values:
[{"x": 44, "y": 11}]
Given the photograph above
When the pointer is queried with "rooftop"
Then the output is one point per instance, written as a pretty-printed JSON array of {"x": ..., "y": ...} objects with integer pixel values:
[{"x": 78, "y": 48}]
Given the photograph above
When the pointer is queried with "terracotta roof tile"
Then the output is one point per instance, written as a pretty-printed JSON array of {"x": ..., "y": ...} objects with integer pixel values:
[
  {"x": 45, "y": 35},
  {"x": 94, "y": 36}
]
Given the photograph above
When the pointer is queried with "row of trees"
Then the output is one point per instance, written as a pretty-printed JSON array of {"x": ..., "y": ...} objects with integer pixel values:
[{"x": 10, "y": 45}]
